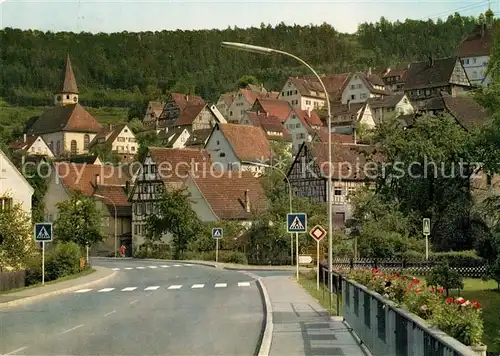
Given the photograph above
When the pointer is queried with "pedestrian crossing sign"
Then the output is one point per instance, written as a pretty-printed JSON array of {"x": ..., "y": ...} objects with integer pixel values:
[
  {"x": 296, "y": 222},
  {"x": 43, "y": 232},
  {"x": 217, "y": 232}
]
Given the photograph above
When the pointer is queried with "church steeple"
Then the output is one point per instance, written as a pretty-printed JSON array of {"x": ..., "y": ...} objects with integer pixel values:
[{"x": 67, "y": 92}]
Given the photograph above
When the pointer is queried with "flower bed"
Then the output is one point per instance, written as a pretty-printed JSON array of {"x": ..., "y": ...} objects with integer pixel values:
[{"x": 458, "y": 317}]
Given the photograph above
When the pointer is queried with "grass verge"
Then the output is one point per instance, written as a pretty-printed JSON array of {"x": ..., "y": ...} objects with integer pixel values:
[
  {"x": 308, "y": 282},
  {"x": 62, "y": 279}
]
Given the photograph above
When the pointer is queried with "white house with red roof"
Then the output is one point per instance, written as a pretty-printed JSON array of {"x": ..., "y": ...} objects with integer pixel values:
[
  {"x": 362, "y": 86},
  {"x": 32, "y": 146},
  {"x": 14, "y": 188},
  {"x": 302, "y": 124}
]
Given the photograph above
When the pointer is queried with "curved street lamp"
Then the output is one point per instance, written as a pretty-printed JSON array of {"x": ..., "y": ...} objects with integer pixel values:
[{"x": 269, "y": 51}]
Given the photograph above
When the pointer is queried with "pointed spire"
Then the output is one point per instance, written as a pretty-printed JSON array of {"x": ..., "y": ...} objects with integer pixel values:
[{"x": 68, "y": 81}]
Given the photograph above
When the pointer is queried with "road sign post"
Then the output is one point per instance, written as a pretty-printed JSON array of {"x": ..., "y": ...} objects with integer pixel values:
[
  {"x": 296, "y": 223},
  {"x": 426, "y": 222},
  {"x": 217, "y": 233},
  {"x": 317, "y": 233},
  {"x": 43, "y": 234}
]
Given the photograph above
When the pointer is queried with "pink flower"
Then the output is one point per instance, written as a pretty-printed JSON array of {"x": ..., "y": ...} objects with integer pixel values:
[
  {"x": 449, "y": 300},
  {"x": 475, "y": 304},
  {"x": 440, "y": 289}
]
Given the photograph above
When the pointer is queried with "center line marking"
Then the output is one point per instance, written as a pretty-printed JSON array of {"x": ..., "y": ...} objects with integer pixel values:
[
  {"x": 115, "y": 269},
  {"x": 134, "y": 301},
  {"x": 129, "y": 268},
  {"x": 188, "y": 264},
  {"x": 177, "y": 265},
  {"x": 153, "y": 267},
  {"x": 152, "y": 288},
  {"x": 129, "y": 289},
  {"x": 105, "y": 290},
  {"x": 243, "y": 284},
  {"x": 220, "y": 285},
  {"x": 165, "y": 266},
  {"x": 83, "y": 290},
  {"x": 195, "y": 286},
  {"x": 76, "y": 327},
  {"x": 114, "y": 311},
  {"x": 175, "y": 286},
  {"x": 13, "y": 352},
  {"x": 140, "y": 267}
]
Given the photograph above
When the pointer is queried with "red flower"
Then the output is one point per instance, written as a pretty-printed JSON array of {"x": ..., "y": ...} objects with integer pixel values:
[
  {"x": 433, "y": 289},
  {"x": 440, "y": 289},
  {"x": 460, "y": 300},
  {"x": 475, "y": 304},
  {"x": 415, "y": 281},
  {"x": 449, "y": 300}
]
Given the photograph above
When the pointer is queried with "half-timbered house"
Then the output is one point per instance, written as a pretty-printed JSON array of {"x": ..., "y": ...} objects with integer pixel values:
[
  {"x": 162, "y": 168},
  {"x": 309, "y": 172}
]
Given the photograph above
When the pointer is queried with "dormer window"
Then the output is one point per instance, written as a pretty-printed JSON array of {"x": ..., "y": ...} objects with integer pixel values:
[{"x": 67, "y": 96}]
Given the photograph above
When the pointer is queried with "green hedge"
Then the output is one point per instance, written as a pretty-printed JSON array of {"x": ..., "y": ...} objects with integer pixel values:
[{"x": 454, "y": 258}]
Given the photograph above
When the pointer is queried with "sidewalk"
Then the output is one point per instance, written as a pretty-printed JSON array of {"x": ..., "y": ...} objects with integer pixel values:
[
  {"x": 302, "y": 326},
  {"x": 30, "y": 294}
]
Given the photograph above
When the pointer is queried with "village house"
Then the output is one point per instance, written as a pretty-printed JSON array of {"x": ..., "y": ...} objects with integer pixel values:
[
  {"x": 272, "y": 126},
  {"x": 231, "y": 195},
  {"x": 243, "y": 101},
  {"x": 175, "y": 104},
  {"x": 321, "y": 136},
  {"x": 475, "y": 50},
  {"x": 111, "y": 182},
  {"x": 198, "y": 138},
  {"x": 174, "y": 138},
  {"x": 308, "y": 175},
  {"x": 14, "y": 188},
  {"x": 426, "y": 80},
  {"x": 88, "y": 159},
  {"x": 394, "y": 77},
  {"x": 345, "y": 118},
  {"x": 224, "y": 102},
  {"x": 390, "y": 105},
  {"x": 362, "y": 86},
  {"x": 162, "y": 168},
  {"x": 31, "y": 146},
  {"x": 119, "y": 139},
  {"x": 234, "y": 147},
  {"x": 153, "y": 112},
  {"x": 67, "y": 127},
  {"x": 192, "y": 117},
  {"x": 274, "y": 107},
  {"x": 302, "y": 125},
  {"x": 306, "y": 93}
]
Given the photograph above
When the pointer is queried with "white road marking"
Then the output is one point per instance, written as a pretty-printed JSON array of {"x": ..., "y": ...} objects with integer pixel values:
[
  {"x": 220, "y": 285},
  {"x": 153, "y": 267},
  {"x": 188, "y": 264},
  {"x": 134, "y": 301},
  {"x": 129, "y": 268},
  {"x": 195, "y": 286},
  {"x": 83, "y": 290},
  {"x": 104, "y": 290},
  {"x": 175, "y": 286},
  {"x": 177, "y": 266},
  {"x": 108, "y": 314},
  {"x": 129, "y": 289},
  {"x": 76, "y": 327},
  {"x": 115, "y": 269},
  {"x": 243, "y": 284},
  {"x": 20, "y": 349},
  {"x": 152, "y": 288},
  {"x": 165, "y": 266},
  {"x": 140, "y": 267}
]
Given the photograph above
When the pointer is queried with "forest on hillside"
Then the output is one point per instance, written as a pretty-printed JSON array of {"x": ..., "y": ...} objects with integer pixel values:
[{"x": 122, "y": 69}]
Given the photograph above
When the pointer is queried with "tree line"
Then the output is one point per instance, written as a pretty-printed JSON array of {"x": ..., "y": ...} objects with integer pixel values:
[{"x": 117, "y": 69}]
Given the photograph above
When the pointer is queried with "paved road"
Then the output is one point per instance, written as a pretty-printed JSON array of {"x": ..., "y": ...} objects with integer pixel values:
[{"x": 155, "y": 310}]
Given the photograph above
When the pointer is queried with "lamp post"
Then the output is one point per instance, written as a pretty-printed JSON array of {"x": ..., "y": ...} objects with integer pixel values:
[
  {"x": 257, "y": 164},
  {"x": 269, "y": 51},
  {"x": 114, "y": 206}
]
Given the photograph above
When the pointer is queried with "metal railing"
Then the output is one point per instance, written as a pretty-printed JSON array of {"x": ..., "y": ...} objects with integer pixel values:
[{"x": 386, "y": 329}]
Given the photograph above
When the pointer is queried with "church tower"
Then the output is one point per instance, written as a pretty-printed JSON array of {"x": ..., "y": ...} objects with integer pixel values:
[{"x": 67, "y": 92}]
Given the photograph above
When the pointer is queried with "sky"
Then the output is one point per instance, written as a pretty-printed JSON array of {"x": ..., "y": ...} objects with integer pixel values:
[{"x": 148, "y": 15}]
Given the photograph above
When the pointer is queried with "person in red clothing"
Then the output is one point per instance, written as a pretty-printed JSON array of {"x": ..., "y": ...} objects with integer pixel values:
[{"x": 122, "y": 250}]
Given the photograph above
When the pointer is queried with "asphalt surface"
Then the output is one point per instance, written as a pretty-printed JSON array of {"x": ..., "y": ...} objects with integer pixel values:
[{"x": 154, "y": 310}]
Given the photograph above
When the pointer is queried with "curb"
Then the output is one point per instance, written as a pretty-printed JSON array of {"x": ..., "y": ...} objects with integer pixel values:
[
  {"x": 268, "y": 326},
  {"x": 33, "y": 298}
]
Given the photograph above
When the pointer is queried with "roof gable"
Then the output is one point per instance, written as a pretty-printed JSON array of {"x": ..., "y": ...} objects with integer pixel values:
[
  {"x": 274, "y": 107},
  {"x": 249, "y": 143},
  {"x": 3, "y": 157},
  {"x": 430, "y": 74}
]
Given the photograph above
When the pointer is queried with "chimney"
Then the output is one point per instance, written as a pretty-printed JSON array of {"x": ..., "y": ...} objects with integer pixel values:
[
  {"x": 369, "y": 73},
  {"x": 267, "y": 114},
  {"x": 187, "y": 97},
  {"x": 247, "y": 201},
  {"x": 97, "y": 179},
  {"x": 110, "y": 127},
  {"x": 431, "y": 61},
  {"x": 349, "y": 105},
  {"x": 24, "y": 137}
]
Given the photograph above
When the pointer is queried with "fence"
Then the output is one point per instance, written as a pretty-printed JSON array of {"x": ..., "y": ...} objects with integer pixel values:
[
  {"x": 388, "y": 330},
  {"x": 471, "y": 268},
  {"x": 12, "y": 280}
]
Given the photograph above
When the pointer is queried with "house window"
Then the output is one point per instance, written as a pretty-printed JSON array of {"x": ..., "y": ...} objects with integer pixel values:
[
  {"x": 73, "y": 147},
  {"x": 363, "y": 95},
  {"x": 67, "y": 96},
  {"x": 297, "y": 126},
  {"x": 121, "y": 139},
  {"x": 230, "y": 113},
  {"x": 353, "y": 97},
  {"x": 86, "y": 141},
  {"x": 308, "y": 102},
  {"x": 474, "y": 60},
  {"x": 5, "y": 204},
  {"x": 337, "y": 191},
  {"x": 131, "y": 139},
  {"x": 132, "y": 148},
  {"x": 222, "y": 154},
  {"x": 295, "y": 91}
]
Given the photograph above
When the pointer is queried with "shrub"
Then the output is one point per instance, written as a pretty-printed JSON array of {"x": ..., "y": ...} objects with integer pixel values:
[
  {"x": 456, "y": 258},
  {"x": 442, "y": 275},
  {"x": 493, "y": 271}
]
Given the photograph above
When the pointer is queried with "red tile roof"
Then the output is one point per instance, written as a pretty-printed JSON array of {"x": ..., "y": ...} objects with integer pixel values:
[
  {"x": 189, "y": 114},
  {"x": 73, "y": 118},
  {"x": 174, "y": 163},
  {"x": 250, "y": 96},
  {"x": 322, "y": 135},
  {"x": 117, "y": 195},
  {"x": 183, "y": 100},
  {"x": 226, "y": 194},
  {"x": 309, "y": 118},
  {"x": 478, "y": 43},
  {"x": 275, "y": 107},
  {"x": 83, "y": 177},
  {"x": 270, "y": 124},
  {"x": 248, "y": 142},
  {"x": 24, "y": 145}
]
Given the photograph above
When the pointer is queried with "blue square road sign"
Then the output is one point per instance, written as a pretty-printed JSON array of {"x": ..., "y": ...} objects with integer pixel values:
[
  {"x": 43, "y": 232},
  {"x": 296, "y": 222},
  {"x": 217, "y": 232}
]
